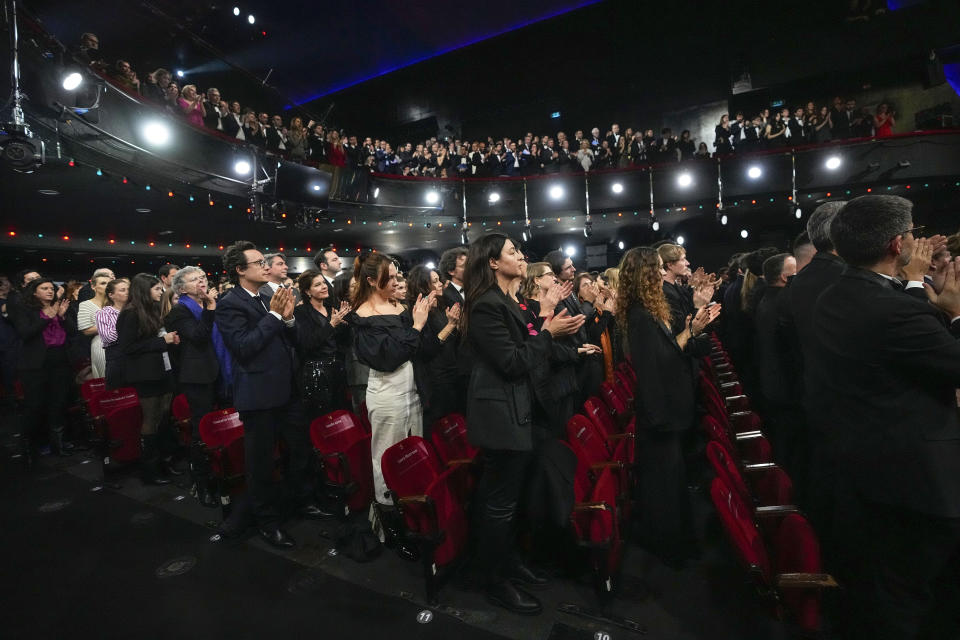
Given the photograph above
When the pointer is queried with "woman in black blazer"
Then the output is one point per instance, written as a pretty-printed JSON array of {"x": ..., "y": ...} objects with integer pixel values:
[
  {"x": 322, "y": 338},
  {"x": 145, "y": 365},
  {"x": 44, "y": 325},
  {"x": 663, "y": 399},
  {"x": 199, "y": 373},
  {"x": 500, "y": 406}
]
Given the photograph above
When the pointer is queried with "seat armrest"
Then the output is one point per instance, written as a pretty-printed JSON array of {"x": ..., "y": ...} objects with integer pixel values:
[
  {"x": 749, "y": 435},
  {"x": 423, "y": 499},
  {"x": 591, "y": 506},
  {"x": 775, "y": 511},
  {"x": 805, "y": 580},
  {"x": 459, "y": 461},
  {"x": 760, "y": 466},
  {"x": 600, "y": 466}
]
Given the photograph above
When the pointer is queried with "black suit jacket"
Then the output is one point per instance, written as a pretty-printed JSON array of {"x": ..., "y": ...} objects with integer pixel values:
[
  {"x": 774, "y": 348},
  {"x": 141, "y": 357},
  {"x": 507, "y": 362},
  {"x": 29, "y": 325},
  {"x": 196, "y": 359},
  {"x": 231, "y": 124},
  {"x": 451, "y": 296},
  {"x": 680, "y": 299},
  {"x": 262, "y": 351},
  {"x": 664, "y": 393},
  {"x": 822, "y": 271},
  {"x": 886, "y": 371}
]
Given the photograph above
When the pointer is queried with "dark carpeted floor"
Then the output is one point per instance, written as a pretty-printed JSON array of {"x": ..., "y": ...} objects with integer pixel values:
[{"x": 82, "y": 560}]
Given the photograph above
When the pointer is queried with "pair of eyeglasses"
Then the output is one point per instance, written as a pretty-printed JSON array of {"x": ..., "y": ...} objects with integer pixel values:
[
  {"x": 915, "y": 231},
  {"x": 261, "y": 262}
]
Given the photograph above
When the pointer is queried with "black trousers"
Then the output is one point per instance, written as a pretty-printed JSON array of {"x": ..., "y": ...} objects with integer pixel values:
[
  {"x": 897, "y": 562},
  {"x": 45, "y": 395},
  {"x": 499, "y": 491},
  {"x": 261, "y": 431},
  {"x": 666, "y": 520}
]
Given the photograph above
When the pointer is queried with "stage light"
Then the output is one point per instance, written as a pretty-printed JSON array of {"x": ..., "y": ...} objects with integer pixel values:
[
  {"x": 587, "y": 229},
  {"x": 376, "y": 192},
  {"x": 570, "y": 251},
  {"x": 684, "y": 180},
  {"x": 156, "y": 133},
  {"x": 236, "y": 11},
  {"x": 430, "y": 265},
  {"x": 72, "y": 80},
  {"x": 251, "y": 19},
  {"x": 493, "y": 197},
  {"x": 556, "y": 192},
  {"x": 620, "y": 245},
  {"x": 655, "y": 225},
  {"x": 723, "y": 219},
  {"x": 316, "y": 187},
  {"x": 798, "y": 213},
  {"x": 680, "y": 240},
  {"x": 754, "y": 172},
  {"x": 833, "y": 163},
  {"x": 433, "y": 197},
  {"x": 744, "y": 234},
  {"x": 617, "y": 187},
  {"x": 242, "y": 167},
  {"x": 179, "y": 73}
]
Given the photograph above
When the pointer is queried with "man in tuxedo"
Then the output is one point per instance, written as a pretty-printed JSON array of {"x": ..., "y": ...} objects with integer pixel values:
[
  {"x": 260, "y": 334},
  {"x": 276, "y": 135},
  {"x": 452, "y": 264},
  {"x": 277, "y": 273},
  {"x": 595, "y": 138},
  {"x": 886, "y": 370},
  {"x": 796, "y": 127},
  {"x": 843, "y": 119},
  {"x": 329, "y": 264},
  {"x": 613, "y": 140},
  {"x": 213, "y": 117},
  {"x": 232, "y": 122},
  {"x": 166, "y": 274}
]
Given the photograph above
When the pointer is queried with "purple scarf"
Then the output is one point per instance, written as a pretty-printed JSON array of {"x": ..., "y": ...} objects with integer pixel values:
[{"x": 223, "y": 356}]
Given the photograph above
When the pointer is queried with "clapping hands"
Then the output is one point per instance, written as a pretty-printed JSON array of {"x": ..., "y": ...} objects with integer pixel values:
[
  {"x": 553, "y": 296},
  {"x": 338, "y": 316}
]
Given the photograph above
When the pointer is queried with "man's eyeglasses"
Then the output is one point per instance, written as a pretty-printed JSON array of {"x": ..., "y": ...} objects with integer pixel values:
[
  {"x": 261, "y": 262},
  {"x": 915, "y": 231}
]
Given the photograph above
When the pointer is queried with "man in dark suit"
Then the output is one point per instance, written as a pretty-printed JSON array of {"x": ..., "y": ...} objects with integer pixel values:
[
  {"x": 451, "y": 267},
  {"x": 232, "y": 122},
  {"x": 614, "y": 140},
  {"x": 260, "y": 335},
  {"x": 885, "y": 371},
  {"x": 213, "y": 116},
  {"x": 329, "y": 264},
  {"x": 277, "y": 274}
]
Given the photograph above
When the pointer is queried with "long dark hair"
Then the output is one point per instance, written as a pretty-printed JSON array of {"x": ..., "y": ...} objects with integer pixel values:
[
  {"x": 30, "y": 292},
  {"x": 376, "y": 266},
  {"x": 141, "y": 303},
  {"x": 640, "y": 283},
  {"x": 418, "y": 283},
  {"x": 478, "y": 277}
]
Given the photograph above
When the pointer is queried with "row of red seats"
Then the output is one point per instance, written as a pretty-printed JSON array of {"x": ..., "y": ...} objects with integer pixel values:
[{"x": 754, "y": 499}]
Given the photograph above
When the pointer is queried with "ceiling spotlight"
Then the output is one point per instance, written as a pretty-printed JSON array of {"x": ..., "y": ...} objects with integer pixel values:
[
  {"x": 493, "y": 197},
  {"x": 430, "y": 265},
  {"x": 833, "y": 163},
  {"x": 798, "y": 213},
  {"x": 744, "y": 234},
  {"x": 617, "y": 187},
  {"x": 587, "y": 229},
  {"x": 684, "y": 180},
  {"x": 156, "y": 133},
  {"x": 527, "y": 232},
  {"x": 620, "y": 245},
  {"x": 179, "y": 73},
  {"x": 376, "y": 192},
  {"x": 433, "y": 197},
  {"x": 556, "y": 192},
  {"x": 72, "y": 80},
  {"x": 241, "y": 168},
  {"x": 655, "y": 225},
  {"x": 251, "y": 19},
  {"x": 754, "y": 172},
  {"x": 236, "y": 11},
  {"x": 723, "y": 219},
  {"x": 570, "y": 251},
  {"x": 681, "y": 240},
  {"x": 463, "y": 238}
]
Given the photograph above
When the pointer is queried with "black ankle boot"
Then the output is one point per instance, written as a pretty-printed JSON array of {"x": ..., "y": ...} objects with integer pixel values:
[
  {"x": 394, "y": 533},
  {"x": 150, "y": 463},
  {"x": 515, "y": 599},
  {"x": 57, "y": 446}
]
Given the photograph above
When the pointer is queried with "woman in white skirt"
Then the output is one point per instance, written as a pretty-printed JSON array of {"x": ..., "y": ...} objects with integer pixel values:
[
  {"x": 386, "y": 338},
  {"x": 87, "y": 324}
]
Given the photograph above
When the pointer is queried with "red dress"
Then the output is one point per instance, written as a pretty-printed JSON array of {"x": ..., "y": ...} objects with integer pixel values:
[
  {"x": 884, "y": 130},
  {"x": 336, "y": 156}
]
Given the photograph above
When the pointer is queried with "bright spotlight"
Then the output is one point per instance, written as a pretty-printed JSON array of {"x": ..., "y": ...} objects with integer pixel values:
[
  {"x": 493, "y": 197},
  {"x": 656, "y": 225},
  {"x": 798, "y": 213},
  {"x": 433, "y": 197},
  {"x": 754, "y": 172},
  {"x": 376, "y": 192},
  {"x": 681, "y": 240},
  {"x": 251, "y": 19},
  {"x": 179, "y": 73},
  {"x": 236, "y": 11},
  {"x": 72, "y": 80},
  {"x": 684, "y": 180},
  {"x": 570, "y": 251},
  {"x": 833, "y": 163},
  {"x": 430, "y": 265},
  {"x": 620, "y": 245},
  {"x": 556, "y": 192},
  {"x": 156, "y": 133},
  {"x": 723, "y": 219},
  {"x": 617, "y": 187},
  {"x": 744, "y": 234},
  {"x": 242, "y": 167}
]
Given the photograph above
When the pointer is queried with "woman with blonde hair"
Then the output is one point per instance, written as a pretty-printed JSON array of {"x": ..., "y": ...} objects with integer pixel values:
[
  {"x": 664, "y": 400},
  {"x": 191, "y": 105},
  {"x": 297, "y": 139}
]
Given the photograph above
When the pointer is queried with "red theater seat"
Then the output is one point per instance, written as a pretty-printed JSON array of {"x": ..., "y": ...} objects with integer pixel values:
[{"x": 343, "y": 448}]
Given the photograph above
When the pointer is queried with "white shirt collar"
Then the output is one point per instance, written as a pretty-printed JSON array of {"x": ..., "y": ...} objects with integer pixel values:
[{"x": 274, "y": 286}]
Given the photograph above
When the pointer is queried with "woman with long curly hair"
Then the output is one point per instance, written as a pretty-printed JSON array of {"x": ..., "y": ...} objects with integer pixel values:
[{"x": 663, "y": 400}]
